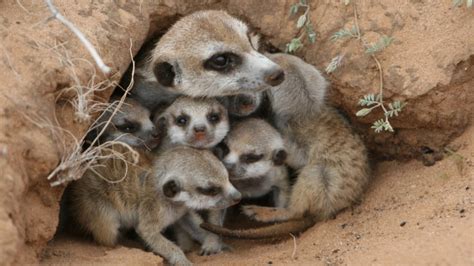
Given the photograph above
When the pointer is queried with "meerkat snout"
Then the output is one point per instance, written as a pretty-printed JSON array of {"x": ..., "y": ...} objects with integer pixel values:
[{"x": 199, "y": 123}]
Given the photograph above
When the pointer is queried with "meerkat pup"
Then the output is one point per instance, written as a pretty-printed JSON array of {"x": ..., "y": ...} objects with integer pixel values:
[
  {"x": 131, "y": 124},
  {"x": 253, "y": 152},
  {"x": 210, "y": 53},
  {"x": 330, "y": 159},
  {"x": 181, "y": 180},
  {"x": 200, "y": 123}
]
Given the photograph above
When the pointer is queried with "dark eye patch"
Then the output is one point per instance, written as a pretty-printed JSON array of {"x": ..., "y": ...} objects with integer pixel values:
[
  {"x": 214, "y": 117},
  {"x": 223, "y": 62},
  {"x": 209, "y": 191},
  {"x": 128, "y": 126},
  {"x": 182, "y": 120},
  {"x": 250, "y": 158}
]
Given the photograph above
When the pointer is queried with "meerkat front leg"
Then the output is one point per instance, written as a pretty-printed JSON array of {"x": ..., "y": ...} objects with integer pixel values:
[
  {"x": 149, "y": 228},
  {"x": 210, "y": 243}
]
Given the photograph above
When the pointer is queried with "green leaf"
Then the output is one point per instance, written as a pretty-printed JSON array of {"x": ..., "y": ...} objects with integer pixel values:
[
  {"x": 312, "y": 37},
  {"x": 334, "y": 64},
  {"x": 363, "y": 111},
  {"x": 457, "y": 3},
  {"x": 294, "y": 45},
  {"x": 294, "y": 9},
  {"x": 379, "y": 45},
  {"x": 368, "y": 100},
  {"x": 342, "y": 33},
  {"x": 301, "y": 21},
  {"x": 303, "y": 2}
]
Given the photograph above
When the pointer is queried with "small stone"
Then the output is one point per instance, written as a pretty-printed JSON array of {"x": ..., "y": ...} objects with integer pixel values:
[
  {"x": 343, "y": 226},
  {"x": 270, "y": 262},
  {"x": 402, "y": 224},
  {"x": 462, "y": 211},
  {"x": 335, "y": 251},
  {"x": 357, "y": 236}
]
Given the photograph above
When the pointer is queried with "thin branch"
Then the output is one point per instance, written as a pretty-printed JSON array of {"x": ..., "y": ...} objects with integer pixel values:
[{"x": 93, "y": 52}]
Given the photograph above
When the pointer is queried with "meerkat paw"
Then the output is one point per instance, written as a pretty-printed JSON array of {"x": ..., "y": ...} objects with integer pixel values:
[
  {"x": 213, "y": 245},
  {"x": 180, "y": 261},
  {"x": 264, "y": 214}
]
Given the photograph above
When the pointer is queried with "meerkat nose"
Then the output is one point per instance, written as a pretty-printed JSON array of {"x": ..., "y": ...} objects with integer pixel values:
[
  {"x": 199, "y": 129},
  {"x": 245, "y": 100},
  {"x": 155, "y": 132},
  {"x": 236, "y": 196},
  {"x": 275, "y": 78}
]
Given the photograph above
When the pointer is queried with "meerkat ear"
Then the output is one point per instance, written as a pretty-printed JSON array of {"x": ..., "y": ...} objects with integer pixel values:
[
  {"x": 254, "y": 39},
  {"x": 279, "y": 157},
  {"x": 161, "y": 124},
  {"x": 164, "y": 73},
  {"x": 171, "y": 188},
  {"x": 220, "y": 150}
]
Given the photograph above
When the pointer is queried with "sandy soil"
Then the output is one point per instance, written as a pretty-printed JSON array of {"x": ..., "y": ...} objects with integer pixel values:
[{"x": 411, "y": 214}]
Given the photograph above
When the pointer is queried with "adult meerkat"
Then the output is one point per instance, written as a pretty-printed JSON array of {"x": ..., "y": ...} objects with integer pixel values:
[
  {"x": 181, "y": 179},
  {"x": 253, "y": 153},
  {"x": 200, "y": 123},
  {"x": 330, "y": 159},
  {"x": 210, "y": 53}
]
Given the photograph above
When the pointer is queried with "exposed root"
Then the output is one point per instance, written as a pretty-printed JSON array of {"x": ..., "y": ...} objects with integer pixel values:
[{"x": 93, "y": 52}]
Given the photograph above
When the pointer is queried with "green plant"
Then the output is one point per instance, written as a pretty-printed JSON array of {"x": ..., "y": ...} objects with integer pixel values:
[
  {"x": 469, "y": 3},
  {"x": 303, "y": 24},
  {"x": 369, "y": 101}
]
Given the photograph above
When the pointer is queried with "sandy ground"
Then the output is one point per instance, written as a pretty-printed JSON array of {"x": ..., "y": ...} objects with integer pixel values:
[{"x": 411, "y": 214}]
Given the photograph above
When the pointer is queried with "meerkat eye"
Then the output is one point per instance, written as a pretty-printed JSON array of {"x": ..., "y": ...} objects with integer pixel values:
[
  {"x": 209, "y": 191},
  {"x": 250, "y": 158},
  {"x": 181, "y": 120},
  {"x": 222, "y": 62},
  {"x": 214, "y": 118},
  {"x": 128, "y": 127}
]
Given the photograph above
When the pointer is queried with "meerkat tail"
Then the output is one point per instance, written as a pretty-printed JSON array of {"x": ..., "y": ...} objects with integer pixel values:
[{"x": 279, "y": 230}]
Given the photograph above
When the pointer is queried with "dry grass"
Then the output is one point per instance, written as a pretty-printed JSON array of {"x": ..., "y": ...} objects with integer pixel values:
[{"x": 74, "y": 159}]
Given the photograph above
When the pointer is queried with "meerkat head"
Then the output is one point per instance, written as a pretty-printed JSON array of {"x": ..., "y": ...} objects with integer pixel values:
[
  {"x": 210, "y": 53},
  {"x": 195, "y": 178},
  {"x": 131, "y": 124},
  {"x": 199, "y": 123},
  {"x": 303, "y": 90},
  {"x": 251, "y": 149},
  {"x": 243, "y": 104}
]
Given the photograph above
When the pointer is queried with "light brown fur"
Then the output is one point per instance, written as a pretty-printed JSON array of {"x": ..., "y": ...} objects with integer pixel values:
[
  {"x": 150, "y": 201},
  {"x": 330, "y": 159}
]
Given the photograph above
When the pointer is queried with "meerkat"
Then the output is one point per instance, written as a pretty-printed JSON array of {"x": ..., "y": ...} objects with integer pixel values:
[
  {"x": 197, "y": 122},
  {"x": 210, "y": 54},
  {"x": 131, "y": 124},
  {"x": 330, "y": 159},
  {"x": 180, "y": 181},
  {"x": 254, "y": 154}
]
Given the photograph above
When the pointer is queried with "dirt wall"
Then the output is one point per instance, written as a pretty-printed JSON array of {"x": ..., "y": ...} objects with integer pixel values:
[{"x": 429, "y": 65}]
